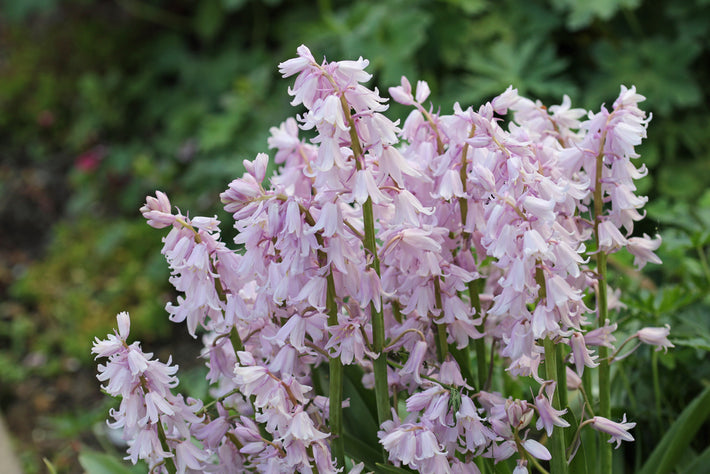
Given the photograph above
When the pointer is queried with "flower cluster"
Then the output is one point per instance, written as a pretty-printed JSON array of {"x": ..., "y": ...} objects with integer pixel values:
[
  {"x": 156, "y": 424},
  {"x": 408, "y": 250}
]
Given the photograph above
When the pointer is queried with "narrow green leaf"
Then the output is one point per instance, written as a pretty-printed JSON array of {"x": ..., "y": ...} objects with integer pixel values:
[
  {"x": 503, "y": 467},
  {"x": 699, "y": 464},
  {"x": 359, "y": 451},
  {"x": 579, "y": 461},
  {"x": 699, "y": 343},
  {"x": 676, "y": 440},
  {"x": 360, "y": 418}
]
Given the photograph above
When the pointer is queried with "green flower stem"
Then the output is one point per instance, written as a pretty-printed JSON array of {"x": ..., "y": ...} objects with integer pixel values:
[
  {"x": 335, "y": 392},
  {"x": 380, "y": 363},
  {"x": 537, "y": 465},
  {"x": 382, "y": 396},
  {"x": 656, "y": 386},
  {"x": 378, "y": 323},
  {"x": 613, "y": 356},
  {"x": 483, "y": 369},
  {"x": 442, "y": 347},
  {"x": 234, "y": 440},
  {"x": 525, "y": 455},
  {"x": 629, "y": 390},
  {"x": 474, "y": 291},
  {"x": 234, "y": 337},
  {"x": 605, "y": 464},
  {"x": 236, "y": 340},
  {"x": 335, "y": 365},
  {"x": 588, "y": 386},
  {"x": 605, "y": 404},
  {"x": 403, "y": 333},
  {"x": 589, "y": 438},
  {"x": 558, "y": 464},
  {"x": 554, "y": 370},
  {"x": 561, "y": 376},
  {"x": 335, "y": 386},
  {"x": 209, "y": 405},
  {"x": 587, "y": 401},
  {"x": 169, "y": 462},
  {"x": 491, "y": 363},
  {"x": 474, "y": 287},
  {"x": 463, "y": 358}
]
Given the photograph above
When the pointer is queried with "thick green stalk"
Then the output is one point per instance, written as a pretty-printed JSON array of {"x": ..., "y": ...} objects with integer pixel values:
[
  {"x": 656, "y": 387},
  {"x": 561, "y": 376},
  {"x": 335, "y": 386},
  {"x": 604, "y": 372},
  {"x": 169, "y": 462},
  {"x": 604, "y": 369},
  {"x": 474, "y": 287},
  {"x": 558, "y": 463},
  {"x": 378, "y": 330},
  {"x": 589, "y": 438},
  {"x": 442, "y": 347},
  {"x": 335, "y": 392},
  {"x": 382, "y": 397}
]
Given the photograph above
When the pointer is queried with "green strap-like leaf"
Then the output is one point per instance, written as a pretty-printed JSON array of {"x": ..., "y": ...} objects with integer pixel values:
[
  {"x": 579, "y": 462},
  {"x": 699, "y": 464},
  {"x": 676, "y": 440}
]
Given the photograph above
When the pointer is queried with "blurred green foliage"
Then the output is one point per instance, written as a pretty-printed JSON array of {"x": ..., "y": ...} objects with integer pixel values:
[
  {"x": 117, "y": 276},
  {"x": 655, "y": 387},
  {"x": 116, "y": 99}
]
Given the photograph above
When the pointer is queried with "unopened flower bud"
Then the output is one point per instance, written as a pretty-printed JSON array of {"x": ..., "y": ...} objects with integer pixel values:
[
  {"x": 618, "y": 431},
  {"x": 656, "y": 337},
  {"x": 157, "y": 211}
]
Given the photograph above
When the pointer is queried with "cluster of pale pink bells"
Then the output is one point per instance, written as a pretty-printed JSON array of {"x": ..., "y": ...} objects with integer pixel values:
[{"x": 397, "y": 247}]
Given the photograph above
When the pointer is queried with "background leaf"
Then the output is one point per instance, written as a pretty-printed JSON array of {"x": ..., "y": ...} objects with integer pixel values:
[
  {"x": 667, "y": 454},
  {"x": 95, "y": 462}
]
